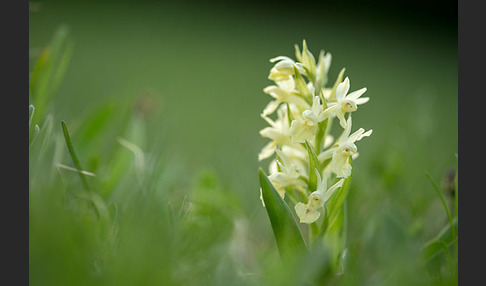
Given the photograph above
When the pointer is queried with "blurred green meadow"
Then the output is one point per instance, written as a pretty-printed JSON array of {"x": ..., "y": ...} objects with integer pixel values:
[{"x": 162, "y": 101}]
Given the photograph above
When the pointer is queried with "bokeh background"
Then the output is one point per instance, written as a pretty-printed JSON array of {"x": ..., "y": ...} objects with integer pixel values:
[{"x": 194, "y": 72}]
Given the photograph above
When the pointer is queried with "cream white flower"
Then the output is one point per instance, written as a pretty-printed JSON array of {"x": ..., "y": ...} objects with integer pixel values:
[
  {"x": 278, "y": 132},
  {"x": 297, "y": 154},
  {"x": 309, "y": 213},
  {"x": 305, "y": 128},
  {"x": 284, "y": 91},
  {"x": 270, "y": 108},
  {"x": 289, "y": 174},
  {"x": 345, "y": 148},
  {"x": 345, "y": 102},
  {"x": 284, "y": 68}
]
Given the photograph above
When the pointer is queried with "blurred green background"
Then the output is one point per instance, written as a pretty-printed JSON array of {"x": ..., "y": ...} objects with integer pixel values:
[{"x": 193, "y": 73}]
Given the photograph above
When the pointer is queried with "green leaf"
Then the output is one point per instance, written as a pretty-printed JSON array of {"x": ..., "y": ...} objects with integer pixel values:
[
  {"x": 334, "y": 237},
  {"x": 313, "y": 164},
  {"x": 338, "y": 199},
  {"x": 320, "y": 135},
  {"x": 445, "y": 237},
  {"x": 298, "y": 54},
  {"x": 301, "y": 86},
  {"x": 289, "y": 115},
  {"x": 287, "y": 234},
  {"x": 309, "y": 62}
]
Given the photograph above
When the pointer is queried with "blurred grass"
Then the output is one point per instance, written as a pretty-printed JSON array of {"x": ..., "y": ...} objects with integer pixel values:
[{"x": 184, "y": 84}]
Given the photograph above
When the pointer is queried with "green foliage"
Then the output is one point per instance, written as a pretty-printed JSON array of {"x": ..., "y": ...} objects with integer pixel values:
[
  {"x": 336, "y": 203},
  {"x": 49, "y": 71},
  {"x": 287, "y": 234},
  {"x": 443, "y": 248}
]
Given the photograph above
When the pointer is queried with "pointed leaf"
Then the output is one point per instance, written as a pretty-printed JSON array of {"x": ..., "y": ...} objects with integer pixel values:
[
  {"x": 309, "y": 62},
  {"x": 301, "y": 86},
  {"x": 287, "y": 234},
  {"x": 298, "y": 54},
  {"x": 338, "y": 199}
]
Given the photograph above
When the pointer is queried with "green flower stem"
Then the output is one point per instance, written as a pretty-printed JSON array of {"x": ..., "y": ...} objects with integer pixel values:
[{"x": 320, "y": 135}]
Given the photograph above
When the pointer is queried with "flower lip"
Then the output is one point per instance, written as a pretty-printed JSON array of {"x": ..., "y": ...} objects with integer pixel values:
[
  {"x": 315, "y": 200},
  {"x": 349, "y": 149},
  {"x": 349, "y": 106}
]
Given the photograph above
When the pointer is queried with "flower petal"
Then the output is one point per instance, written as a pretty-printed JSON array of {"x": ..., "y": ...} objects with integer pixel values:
[
  {"x": 267, "y": 151},
  {"x": 362, "y": 100},
  {"x": 271, "y": 107},
  {"x": 342, "y": 89},
  {"x": 332, "y": 190},
  {"x": 356, "y": 94},
  {"x": 340, "y": 165},
  {"x": 300, "y": 131},
  {"x": 280, "y": 58},
  {"x": 326, "y": 155},
  {"x": 306, "y": 214},
  {"x": 332, "y": 110},
  {"x": 342, "y": 120}
]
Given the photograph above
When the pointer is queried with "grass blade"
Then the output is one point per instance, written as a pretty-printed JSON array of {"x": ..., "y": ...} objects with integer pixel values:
[
  {"x": 49, "y": 72},
  {"x": 287, "y": 234},
  {"x": 444, "y": 203},
  {"x": 446, "y": 237},
  {"x": 456, "y": 193},
  {"x": 74, "y": 157}
]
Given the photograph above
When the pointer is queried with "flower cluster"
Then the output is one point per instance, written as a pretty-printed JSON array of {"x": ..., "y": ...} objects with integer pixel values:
[{"x": 306, "y": 157}]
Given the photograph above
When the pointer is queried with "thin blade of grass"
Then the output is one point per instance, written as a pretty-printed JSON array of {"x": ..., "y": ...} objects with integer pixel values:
[
  {"x": 31, "y": 114},
  {"x": 443, "y": 201},
  {"x": 446, "y": 237},
  {"x": 74, "y": 157},
  {"x": 456, "y": 191},
  {"x": 59, "y": 165},
  {"x": 49, "y": 72}
]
